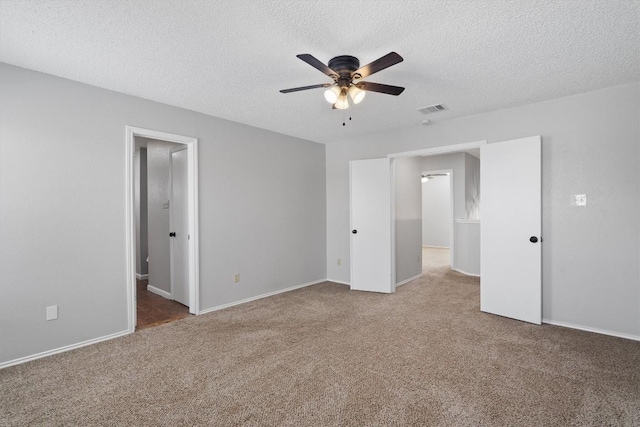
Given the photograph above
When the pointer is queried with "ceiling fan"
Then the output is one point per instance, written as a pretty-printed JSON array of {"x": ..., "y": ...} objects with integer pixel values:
[{"x": 347, "y": 74}]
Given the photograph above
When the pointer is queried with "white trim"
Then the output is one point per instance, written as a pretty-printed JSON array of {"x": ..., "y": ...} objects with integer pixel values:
[
  {"x": 130, "y": 230},
  {"x": 142, "y": 276},
  {"x": 158, "y": 291},
  {"x": 194, "y": 256},
  {"x": 61, "y": 349},
  {"x": 436, "y": 247},
  {"x": 590, "y": 329},
  {"x": 340, "y": 282},
  {"x": 404, "y": 282},
  {"x": 269, "y": 294},
  {"x": 439, "y": 150},
  {"x": 392, "y": 202},
  {"x": 466, "y": 273}
]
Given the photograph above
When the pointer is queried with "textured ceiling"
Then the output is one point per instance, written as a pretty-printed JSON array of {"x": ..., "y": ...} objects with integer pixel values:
[{"x": 230, "y": 58}]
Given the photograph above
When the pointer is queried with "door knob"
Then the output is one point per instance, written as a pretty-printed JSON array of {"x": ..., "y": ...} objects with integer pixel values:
[
  {"x": 172, "y": 234},
  {"x": 533, "y": 239},
  {"x": 354, "y": 231}
]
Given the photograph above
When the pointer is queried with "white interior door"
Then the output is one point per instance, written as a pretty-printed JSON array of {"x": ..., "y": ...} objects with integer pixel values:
[
  {"x": 511, "y": 255},
  {"x": 370, "y": 194},
  {"x": 179, "y": 220}
]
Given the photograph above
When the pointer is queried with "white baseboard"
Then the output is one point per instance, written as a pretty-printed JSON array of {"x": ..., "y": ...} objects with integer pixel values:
[
  {"x": 590, "y": 329},
  {"x": 269, "y": 294},
  {"x": 404, "y": 282},
  {"x": 340, "y": 282},
  {"x": 61, "y": 349},
  {"x": 436, "y": 247},
  {"x": 142, "y": 276},
  {"x": 465, "y": 272},
  {"x": 160, "y": 292}
]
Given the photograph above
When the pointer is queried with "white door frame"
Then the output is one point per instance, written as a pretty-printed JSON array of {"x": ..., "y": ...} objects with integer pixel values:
[
  {"x": 445, "y": 149},
  {"x": 452, "y": 216},
  {"x": 192, "y": 181}
]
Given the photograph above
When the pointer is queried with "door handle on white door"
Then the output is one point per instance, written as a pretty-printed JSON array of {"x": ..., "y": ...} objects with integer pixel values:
[
  {"x": 533, "y": 239},
  {"x": 354, "y": 231}
]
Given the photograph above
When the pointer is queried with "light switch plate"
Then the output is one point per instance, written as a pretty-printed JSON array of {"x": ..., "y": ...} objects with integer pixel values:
[{"x": 579, "y": 200}]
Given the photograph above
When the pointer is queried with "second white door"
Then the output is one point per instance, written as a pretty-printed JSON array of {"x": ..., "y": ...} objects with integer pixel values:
[
  {"x": 179, "y": 221},
  {"x": 511, "y": 245},
  {"x": 370, "y": 187}
]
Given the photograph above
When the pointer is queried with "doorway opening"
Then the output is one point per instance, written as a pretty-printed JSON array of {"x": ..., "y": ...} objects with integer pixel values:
[
  {"x": 162, "y": 225},
  {"x": 437, "y": 219},
  {"x": 448, "y": 214}
]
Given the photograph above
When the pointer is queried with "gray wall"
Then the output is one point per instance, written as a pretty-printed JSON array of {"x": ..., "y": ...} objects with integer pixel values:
[
  {"x": 408, "y": 211},
  {"x": 62, "y": 208},
  {"x": 467, "y": 247},
  {"x": 436, "y": 212},
  {"x": 455, "y": 162},
  {"x": 472, "y": 187},
  {"x": 140, "y": 206},
  {"x": 590, "y": 144},
  {"x": 158, "y": 177},
  {"x": 141, "y": 218}
]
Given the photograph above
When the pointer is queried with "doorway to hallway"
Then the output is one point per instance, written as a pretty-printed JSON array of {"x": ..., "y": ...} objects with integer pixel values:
[{"x": 186, "y": 191}]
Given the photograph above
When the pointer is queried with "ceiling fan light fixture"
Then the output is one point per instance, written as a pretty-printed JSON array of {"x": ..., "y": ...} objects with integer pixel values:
[
  {"x": 342, "y": 103},
  {"x": 357, "y": 94},
  {"x": 332, "y": 94}
]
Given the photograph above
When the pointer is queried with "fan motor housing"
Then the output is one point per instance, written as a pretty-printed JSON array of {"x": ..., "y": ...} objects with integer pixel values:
[{"x": 344, "y": 65}]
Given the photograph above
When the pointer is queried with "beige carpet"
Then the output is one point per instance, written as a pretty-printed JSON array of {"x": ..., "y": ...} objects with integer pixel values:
[
  {"x": 323, "y": 356},
  {"x": 433, "y": 258}
]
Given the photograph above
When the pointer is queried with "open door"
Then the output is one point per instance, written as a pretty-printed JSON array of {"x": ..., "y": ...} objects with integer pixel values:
[
  {"x": 511, "y": 255},
  {"x": 179, "y": 220},
  {"x": 370, "y": 197}
]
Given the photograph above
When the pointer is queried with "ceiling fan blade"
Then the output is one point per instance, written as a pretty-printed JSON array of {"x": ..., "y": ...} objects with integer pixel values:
[
  {"x": 315, "y": 63},
  {"x": 378, "y": 65},
  {"x": 296, "y": 89},
  {"x": 377, "y": 87}
]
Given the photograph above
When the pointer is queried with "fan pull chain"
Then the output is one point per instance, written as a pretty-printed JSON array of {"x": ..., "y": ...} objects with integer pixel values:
[{"x": 344, "y": 121}]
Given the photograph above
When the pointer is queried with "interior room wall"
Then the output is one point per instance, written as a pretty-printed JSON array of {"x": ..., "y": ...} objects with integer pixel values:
[
  {"x": 158, "y": 183},
  {"x": 408, "y": 221},
  {"x": 472, "y": 186},
  {"x": 436, "y": 212},
  {"x": 140, "y": 202},
  {"x": 591, "y": 254},
  {"x": 455, "y": 162},
  {"x": 62, "y": 219}
]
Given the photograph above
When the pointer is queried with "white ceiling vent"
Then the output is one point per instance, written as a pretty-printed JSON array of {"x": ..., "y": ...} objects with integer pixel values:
[{"x": 432, "y": 109}]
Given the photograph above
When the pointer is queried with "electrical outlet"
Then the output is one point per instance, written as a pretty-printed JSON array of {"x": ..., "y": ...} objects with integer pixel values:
[
  {"x": 339, "y": 261},
  {"x": 579, "y": 200},
  {"x": 52, "y": 312},
  {"x": 236, "y": 278}
]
